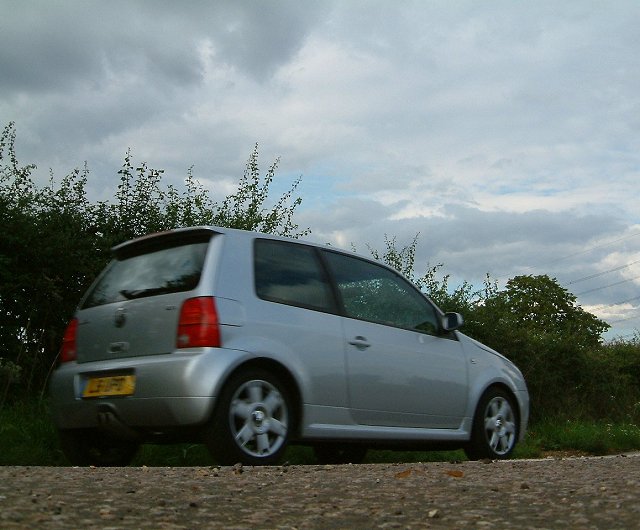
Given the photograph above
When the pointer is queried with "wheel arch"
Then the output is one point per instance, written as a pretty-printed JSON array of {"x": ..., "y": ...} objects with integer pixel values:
[
  {"x": 500, "y": 385},
  {"x": 281, "y": 372},
  {"x": 480, "y": 445}
]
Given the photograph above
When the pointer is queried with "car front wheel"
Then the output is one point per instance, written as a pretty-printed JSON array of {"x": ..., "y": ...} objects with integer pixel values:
[
  {"x": 495, "y": 427},
  {"x": 252, "y": 421}
]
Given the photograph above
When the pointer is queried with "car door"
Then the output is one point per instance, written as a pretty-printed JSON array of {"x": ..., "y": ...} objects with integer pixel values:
[
  {"x": 297, "y": 318},
  {"x": 401, "y": 370}
]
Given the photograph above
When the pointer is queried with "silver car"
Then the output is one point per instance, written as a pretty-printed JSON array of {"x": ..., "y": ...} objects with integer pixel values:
[{"x": 248, "y": 342}]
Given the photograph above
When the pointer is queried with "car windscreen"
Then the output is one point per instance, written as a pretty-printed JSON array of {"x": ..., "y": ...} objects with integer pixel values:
[{"x": 166, "y": 270}]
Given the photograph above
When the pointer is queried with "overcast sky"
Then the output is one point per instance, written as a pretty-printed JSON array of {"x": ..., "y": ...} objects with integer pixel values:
[{"x": 507, "y": 134}]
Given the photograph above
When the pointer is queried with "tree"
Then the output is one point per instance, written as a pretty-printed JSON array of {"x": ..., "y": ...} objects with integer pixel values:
[
  {"x": 247, "y": 207},
  {"x": 540, "y": 309},
  {"x": 142, "y": 205},
  {"x": 539, "y": 325}
]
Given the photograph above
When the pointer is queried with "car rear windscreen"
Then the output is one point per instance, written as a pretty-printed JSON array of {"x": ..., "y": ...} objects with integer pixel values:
[{"x": 166, "y": 270}]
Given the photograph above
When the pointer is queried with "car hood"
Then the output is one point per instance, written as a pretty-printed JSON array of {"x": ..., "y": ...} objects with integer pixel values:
[{"x": 479, "y": 344}]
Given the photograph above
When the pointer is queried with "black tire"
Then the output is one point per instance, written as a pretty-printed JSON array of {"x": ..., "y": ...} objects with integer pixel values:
[
  {"x": 88, "y": 447},
  {"x": 495, "y": 427},
  {"x": 253, "y": 420},
  {"x": 340, "y": 453}
]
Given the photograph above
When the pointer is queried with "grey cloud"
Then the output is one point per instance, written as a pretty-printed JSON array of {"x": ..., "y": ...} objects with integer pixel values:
[
  {"x": 507, "y": 243},
  {"x": 470, "y": 243},
  {"x": 77, "y": 76},
  {"x": 46, "y": 46},
  {"x": 350, "y": 216},
  {"x": 257, "y": 37}
]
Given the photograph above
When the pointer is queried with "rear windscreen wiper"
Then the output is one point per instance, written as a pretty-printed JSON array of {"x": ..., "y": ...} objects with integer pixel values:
[{"x": 130, "y": 294}]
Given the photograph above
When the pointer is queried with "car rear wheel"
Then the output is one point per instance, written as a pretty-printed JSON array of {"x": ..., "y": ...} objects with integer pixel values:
[
  {"x": 334, "y": 453},
  {"x": 253, "y": 420},
  {"x": 88, "y": 447},
  {"x": 495, "y": 427}
]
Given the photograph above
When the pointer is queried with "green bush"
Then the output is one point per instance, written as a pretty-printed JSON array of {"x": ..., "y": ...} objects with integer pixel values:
[{"x": 55, "y": 241}]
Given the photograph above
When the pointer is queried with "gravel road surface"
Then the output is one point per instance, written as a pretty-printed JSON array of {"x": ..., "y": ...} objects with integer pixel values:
[{"x": 550, "y": 493}]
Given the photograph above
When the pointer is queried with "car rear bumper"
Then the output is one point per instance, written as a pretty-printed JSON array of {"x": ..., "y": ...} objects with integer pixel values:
[{"x": 171, "y": 390}]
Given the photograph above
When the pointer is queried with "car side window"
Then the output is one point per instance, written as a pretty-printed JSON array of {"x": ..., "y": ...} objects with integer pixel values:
[
  {"x": 292, "y": 274},
  {"x": 374, "y": 293}
]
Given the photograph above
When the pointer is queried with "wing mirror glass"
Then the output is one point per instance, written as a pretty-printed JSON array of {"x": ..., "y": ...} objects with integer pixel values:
[{"x": 452, "y": 321}]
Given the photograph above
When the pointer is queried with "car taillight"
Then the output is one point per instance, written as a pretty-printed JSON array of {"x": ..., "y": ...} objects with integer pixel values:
[
  {"x": 68, "y": 351},
  {"x": 198, "y": 324}
]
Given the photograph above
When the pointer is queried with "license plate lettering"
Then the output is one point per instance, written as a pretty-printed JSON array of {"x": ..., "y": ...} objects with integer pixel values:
[{"x": 119, "y": 385}]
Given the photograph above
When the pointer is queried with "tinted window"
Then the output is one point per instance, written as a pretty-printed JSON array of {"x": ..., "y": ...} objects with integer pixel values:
[
  {"x": 166, "y": 270},
  {"x": 374, "y": 293},
  {"x": 292, "y": 274}
]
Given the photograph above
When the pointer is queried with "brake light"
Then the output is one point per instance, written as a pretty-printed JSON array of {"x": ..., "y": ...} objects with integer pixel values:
[
  {"x": 198, "y": 325},
  {"x": 68, "y": 351}
]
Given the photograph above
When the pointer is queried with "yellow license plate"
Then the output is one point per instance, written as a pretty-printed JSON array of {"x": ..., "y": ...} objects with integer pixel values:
[{"x": 118, "y": 385}]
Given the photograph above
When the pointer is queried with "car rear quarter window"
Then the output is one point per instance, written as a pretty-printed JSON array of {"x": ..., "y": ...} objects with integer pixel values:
[
  {"x": 165, "y": 270},
  {"x": 292, "y": 274}
]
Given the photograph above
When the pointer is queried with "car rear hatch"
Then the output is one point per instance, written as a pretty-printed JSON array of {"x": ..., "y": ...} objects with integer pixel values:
[{"x": 133, "y": 308}]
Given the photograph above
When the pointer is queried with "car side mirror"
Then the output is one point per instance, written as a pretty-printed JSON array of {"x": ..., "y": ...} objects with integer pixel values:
[{"x": 452, "y": 321}]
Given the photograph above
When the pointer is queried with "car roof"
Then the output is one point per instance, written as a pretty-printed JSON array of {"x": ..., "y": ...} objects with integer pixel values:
[{"x": 199, "y": 232}]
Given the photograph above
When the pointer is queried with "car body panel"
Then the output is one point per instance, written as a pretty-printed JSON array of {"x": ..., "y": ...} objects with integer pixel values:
[
  {"x": 182, "y": 384},
  {"x": 404, "y": 378},
  {"x": 134, "y": 328}
]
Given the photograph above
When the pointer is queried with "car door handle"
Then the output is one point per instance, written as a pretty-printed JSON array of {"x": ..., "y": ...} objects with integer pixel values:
[{"x": 360, "y": 342}]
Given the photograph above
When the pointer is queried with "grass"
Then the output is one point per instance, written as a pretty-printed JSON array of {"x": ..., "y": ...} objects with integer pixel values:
[
  {"x": 28, "y": 438},
  {"x": 588, "y": 437}
]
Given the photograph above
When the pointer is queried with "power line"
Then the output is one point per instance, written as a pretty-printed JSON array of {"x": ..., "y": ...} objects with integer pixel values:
[
  {"x": 606, "y": 286},
  {"x": 625, "y": 319},
  {"x": 603, "y": 273},
  {"x": 598, "y": 274},
  {"x": 545, "y": 264},
  {"x": 603, "y": 306},
  {"x": 580, "y": 252}
]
